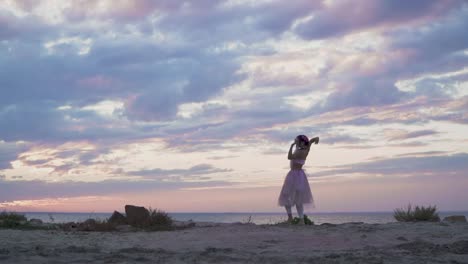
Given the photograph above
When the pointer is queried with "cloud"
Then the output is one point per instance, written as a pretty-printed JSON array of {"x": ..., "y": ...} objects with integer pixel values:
[
  {"x": 192, "y": 172},
  {"x": 13, "y": 28},
  {"x": 443, "y": 165},
  {"x": 27, "y": 190},
  {"x": 9, "y": 152},
  {"x": 426, "y": 153},
  {"x": 155, "y": 66},
  {"x": 402, "y": 135},
  {"x": 365, "y": 92},
  {"x": 437, "y": 40},
  {"x": 117, "y": 10},
  {"x": 347, "y": 16}
]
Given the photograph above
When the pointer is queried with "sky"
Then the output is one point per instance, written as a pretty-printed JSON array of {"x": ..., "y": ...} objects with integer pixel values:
[{"x": 191, "y": 106}]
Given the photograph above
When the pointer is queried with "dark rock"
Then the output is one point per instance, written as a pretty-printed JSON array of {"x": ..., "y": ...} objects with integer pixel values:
[
  {"x": 402, "y": 238},
  {"x": 117, "y": 219},
  {"x": 35, "y": 221},
  {"x": 137, "y": 215},
  {"x": 455, "y": 219}
]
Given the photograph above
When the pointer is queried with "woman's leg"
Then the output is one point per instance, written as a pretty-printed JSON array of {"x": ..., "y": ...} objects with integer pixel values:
[
  {"x": 289, "y": 211},
  {"x": 300, "y": 211}
]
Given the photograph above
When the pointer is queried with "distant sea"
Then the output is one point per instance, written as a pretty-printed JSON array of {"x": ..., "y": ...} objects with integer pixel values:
[{"x": 257, "y": 218}]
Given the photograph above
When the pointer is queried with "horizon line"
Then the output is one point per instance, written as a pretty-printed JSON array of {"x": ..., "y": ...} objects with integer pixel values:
[{"x": 260, "y": 212}]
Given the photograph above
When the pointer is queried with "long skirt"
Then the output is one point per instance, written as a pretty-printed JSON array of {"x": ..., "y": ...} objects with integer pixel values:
[{"x": 296, "y": 190}]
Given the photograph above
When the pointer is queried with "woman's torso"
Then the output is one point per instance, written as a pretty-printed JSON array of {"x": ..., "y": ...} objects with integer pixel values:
[
  {"x": 296, "y": 164},
  {"x": 300, "y": 156}
]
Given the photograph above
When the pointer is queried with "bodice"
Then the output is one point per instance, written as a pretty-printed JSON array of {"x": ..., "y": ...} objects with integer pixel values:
[{"x": 296, "y": 164}]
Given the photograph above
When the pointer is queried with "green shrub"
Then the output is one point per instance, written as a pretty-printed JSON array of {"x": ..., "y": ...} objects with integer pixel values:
[
  {"x": 307, "y": 221},
  {"x": 419, "y": 213},
  {"x": 159, "y": 220},
  {"x": 12, "y": 220}
]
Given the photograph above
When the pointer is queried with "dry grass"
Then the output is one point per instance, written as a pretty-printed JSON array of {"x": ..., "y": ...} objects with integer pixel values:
[{"x": 419, "y": 213}]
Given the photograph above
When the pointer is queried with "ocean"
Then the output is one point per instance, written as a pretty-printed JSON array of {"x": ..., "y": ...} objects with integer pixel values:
[{"x": 254, "y": 217}]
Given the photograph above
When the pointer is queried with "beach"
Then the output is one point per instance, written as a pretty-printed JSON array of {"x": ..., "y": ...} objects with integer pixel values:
[{"x": 420, "y": 242}]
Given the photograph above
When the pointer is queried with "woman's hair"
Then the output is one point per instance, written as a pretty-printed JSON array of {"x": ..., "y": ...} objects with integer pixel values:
[{"x": 304, "y": 139}]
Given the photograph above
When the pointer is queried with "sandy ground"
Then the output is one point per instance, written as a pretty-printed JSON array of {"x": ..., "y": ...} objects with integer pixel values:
[{"x": 245, "y": 243}]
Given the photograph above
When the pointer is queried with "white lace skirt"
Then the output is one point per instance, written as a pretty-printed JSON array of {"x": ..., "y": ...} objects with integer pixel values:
[{"x": 296, "y": 190}]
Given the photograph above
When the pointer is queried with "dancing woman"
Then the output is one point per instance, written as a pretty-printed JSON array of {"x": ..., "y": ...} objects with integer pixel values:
[{"x": 296, "y": 189}]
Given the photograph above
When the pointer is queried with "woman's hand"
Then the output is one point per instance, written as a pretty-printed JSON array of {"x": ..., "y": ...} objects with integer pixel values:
[{"x": 316, "y": 140}]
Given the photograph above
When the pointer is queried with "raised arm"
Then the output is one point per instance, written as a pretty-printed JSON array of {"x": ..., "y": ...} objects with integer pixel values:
[
  {"x": 311, "y": 141},
  {"x": 314, "y": 140},
  {"x": 290, "y": 154}
]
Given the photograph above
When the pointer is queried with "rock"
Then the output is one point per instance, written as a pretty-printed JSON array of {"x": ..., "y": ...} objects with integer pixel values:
[
  {"x": 455, "y": 219},
  {"x": 117, "y": 219},
  {"x": 136, "y": 215},
  {"x": 36, "y": 221}
]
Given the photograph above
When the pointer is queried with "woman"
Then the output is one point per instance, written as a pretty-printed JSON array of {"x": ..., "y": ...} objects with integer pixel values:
[{"x": 296, "y": 189}]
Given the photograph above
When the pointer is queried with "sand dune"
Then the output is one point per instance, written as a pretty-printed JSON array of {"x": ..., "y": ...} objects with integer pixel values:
[{"x": 245, "y": 243}]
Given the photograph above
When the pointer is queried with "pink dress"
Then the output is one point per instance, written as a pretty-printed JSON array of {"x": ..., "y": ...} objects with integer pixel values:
[{"x": 296, "y": 189}]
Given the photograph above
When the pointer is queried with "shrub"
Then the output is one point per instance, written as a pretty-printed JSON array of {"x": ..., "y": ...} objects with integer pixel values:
[
  {"x": 419, "y": 213},
  {"x": 10, "y": 219},
  {"x": 159, "y": 220},
  {"x": 307, "y": 221}
]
